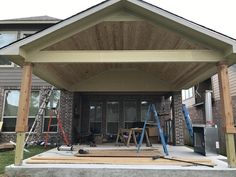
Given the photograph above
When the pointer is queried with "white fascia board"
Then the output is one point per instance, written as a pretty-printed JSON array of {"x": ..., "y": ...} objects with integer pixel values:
[
  {"x": 184, "y": 22},
  {"x": 58, "y": 26}
]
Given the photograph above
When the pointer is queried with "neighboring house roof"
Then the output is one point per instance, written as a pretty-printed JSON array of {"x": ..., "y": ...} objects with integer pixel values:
[{"x": 35, "y": 19}]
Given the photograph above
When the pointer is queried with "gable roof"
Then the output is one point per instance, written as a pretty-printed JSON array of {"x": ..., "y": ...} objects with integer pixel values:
[{"x": 148, "y": 10}]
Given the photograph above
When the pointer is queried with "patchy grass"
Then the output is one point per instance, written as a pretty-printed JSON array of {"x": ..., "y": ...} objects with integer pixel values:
[{"x": 7, "y": 157}]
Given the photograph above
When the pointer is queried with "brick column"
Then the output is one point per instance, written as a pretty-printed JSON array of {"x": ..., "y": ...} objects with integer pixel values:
[
  {"x": 66, "y": 107},
  {"x": 178, "y": 129}
]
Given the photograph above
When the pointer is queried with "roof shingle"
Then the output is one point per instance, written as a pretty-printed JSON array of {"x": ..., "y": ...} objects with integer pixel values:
[{"x": 35, "y": 18}]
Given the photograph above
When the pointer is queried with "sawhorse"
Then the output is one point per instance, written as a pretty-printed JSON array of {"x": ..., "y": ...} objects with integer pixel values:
[{"x": 131, "y": 133}]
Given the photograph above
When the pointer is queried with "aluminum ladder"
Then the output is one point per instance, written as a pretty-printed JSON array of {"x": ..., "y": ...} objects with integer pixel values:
[
  {"x": 40, "y": 113},
  {"x": 188, "y": 120},
  {"x": 152, "y": 108}
]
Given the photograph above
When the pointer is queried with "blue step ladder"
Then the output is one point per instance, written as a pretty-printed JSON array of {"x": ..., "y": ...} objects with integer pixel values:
[
  {"x": 152, "y": 108},
  {"x": 188, "y": 120}
]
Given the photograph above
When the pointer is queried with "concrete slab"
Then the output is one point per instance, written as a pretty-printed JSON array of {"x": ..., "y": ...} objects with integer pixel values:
[{"x": 98, "y": 170}]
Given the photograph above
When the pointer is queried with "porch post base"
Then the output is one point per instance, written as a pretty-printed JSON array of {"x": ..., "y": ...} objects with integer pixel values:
[
  {"x": 20, "y": 142},
  {"x": 229, "y": 138}
]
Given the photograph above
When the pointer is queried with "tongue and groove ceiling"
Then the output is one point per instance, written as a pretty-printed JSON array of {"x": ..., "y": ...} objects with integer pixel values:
[{"x": 125, "y": 35}]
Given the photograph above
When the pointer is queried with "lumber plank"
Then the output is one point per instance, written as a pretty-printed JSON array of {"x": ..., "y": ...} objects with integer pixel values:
[
  {"x": 110, "y": 153},
  {"x": 111, "y": 160},
  {"x": 23, "y": 112},
  {"x": 25, "y": 91}
]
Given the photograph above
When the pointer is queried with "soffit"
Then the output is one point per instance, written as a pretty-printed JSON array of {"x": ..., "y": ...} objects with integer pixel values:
[
  {"x": 126, "y": 35},
  {"x": 175, "y": 75}
]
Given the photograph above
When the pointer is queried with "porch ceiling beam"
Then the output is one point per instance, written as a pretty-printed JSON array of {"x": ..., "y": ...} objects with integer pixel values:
[{"x": 125, "y": 56}]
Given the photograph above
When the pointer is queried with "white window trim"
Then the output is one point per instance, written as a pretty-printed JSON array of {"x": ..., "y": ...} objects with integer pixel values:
[
  {"x": 9, "y": 32},
  {"x": 14, "y": 117}
]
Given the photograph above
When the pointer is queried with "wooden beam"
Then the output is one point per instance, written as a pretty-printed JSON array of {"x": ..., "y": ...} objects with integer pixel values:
[
  {"x": 227, "y": 113},
  {"x": 125, "y": 56},
  {"x": 23, "y": 112}
]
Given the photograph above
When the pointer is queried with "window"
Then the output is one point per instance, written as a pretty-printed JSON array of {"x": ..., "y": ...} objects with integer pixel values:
[
  {"x": 130, "y": 113},
  {"x": 186, "y": 94},
  {"x": 112, "y": 117},
  {"x": 144, "y": 109},
  {"x": 11, "y": 108},
  {"x": 95, "y": 117},
  {"x": 53, "y": 103},
  {"x": 5, "y": 39}
]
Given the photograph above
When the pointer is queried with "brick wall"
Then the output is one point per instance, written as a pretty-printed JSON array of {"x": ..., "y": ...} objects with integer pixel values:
[
  {"x": 197, "y": 114},
  {"x": 66, "y": 107},
  {"x": 178, "y": 129},
  {"x": 217, "y": 118}
]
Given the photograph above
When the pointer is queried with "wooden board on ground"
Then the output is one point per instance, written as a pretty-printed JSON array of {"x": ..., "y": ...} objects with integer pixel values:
[
  {"x": 113, "y": 161},
  {"x": 123, "y": 153},
  {"x": 6, "y": 147}
]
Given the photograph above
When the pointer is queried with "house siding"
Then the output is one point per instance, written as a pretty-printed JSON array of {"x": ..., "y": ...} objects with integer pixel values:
[
  {"x": 232, "y": 82},
  {"x": 11, "y": 76}
]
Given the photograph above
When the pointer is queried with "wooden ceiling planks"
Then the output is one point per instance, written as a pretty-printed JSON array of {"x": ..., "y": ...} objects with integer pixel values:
[
  {"x": 173, "y": 73},
  {"x": 125, "y": 35}
]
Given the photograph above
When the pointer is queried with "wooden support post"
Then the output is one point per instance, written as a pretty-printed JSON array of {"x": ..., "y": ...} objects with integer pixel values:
[
  {"x": 23, "y": 112},
  {"x": 227, "y": 113}
]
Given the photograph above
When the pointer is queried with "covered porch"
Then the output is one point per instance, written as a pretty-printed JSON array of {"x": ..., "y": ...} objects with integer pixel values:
[{"x": 125, "y": 48}]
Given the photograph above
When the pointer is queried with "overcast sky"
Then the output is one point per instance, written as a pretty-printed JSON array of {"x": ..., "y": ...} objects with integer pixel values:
[{"x": 216, "y": 14}]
